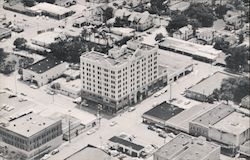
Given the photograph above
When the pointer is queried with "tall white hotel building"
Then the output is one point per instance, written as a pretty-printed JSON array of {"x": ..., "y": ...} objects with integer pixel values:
[{"x": 122, "y": 77}]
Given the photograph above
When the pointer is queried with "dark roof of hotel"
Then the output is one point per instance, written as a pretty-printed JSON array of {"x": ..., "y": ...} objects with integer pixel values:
[
  {"x": 126, "y": 143},
  {"x": 44, "y": 65},
  {"x": 164, "y": 111}
]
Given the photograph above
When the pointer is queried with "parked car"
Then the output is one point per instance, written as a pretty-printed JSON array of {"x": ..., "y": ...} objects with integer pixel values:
[
  {"x": 22, "y": 100},
  {"x": 151, "y": 128},
  {"x": 163, "y": 135},
  {"x": 114, "y": 153},
  {"x": 12, "y": 96},
  {"x": 33, "y": 86},
  {"x": 154, "y": 146},
  {"x": 188, "y": 102},
  {"x": 55, "y": 151},
  {"x": 113, "y": 123},
  {"x": 157, "y": 94},
  {"x": 50, "y": 92},
  {"x": 46, "y": 156},
  {"x": 92, "y": 131},
  {"x": 131, "y": 109}
]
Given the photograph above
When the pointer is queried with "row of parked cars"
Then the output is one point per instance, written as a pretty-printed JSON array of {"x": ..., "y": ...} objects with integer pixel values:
[
  {"x": 161, "y": 132},
  {"x": 13, "y": 27}
]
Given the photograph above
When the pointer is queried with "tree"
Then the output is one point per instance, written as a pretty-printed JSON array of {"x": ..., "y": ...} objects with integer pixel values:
[
  {"x": 176, "y": 23},
  {"x": 220, "y": 11},
  {"x": 107, "y": 13},
  {"x": 159, "y": 37},
  {"x": 20, "y": 43},
  {"x": 234, "y": 89},
  {"x": 202, "y": 13},
  {"x": 29, "y": 3},
  {"x": 237, "y": 58},
  {"x": 241, "y": 38},
  {"x": 221, "y": 44}
]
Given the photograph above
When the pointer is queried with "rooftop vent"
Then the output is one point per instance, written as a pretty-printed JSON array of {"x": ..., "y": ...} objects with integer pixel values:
[{"x": 28, "y": 130}]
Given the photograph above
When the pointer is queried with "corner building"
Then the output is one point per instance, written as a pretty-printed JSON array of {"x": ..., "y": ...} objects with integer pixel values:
[{"x": 122, "y": 77}]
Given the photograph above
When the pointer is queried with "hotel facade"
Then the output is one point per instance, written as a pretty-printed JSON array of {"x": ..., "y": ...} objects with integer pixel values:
[{"x": 122, "y": 77}]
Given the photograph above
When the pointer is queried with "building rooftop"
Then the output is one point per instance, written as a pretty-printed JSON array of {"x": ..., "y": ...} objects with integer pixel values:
[
  {"x": 44, "y": 65},
  {"x": 235, "y": 123},
  {"x": 121, "y": 55},
  {"x": 173, "y": 62},
  {"x": 186, "y": 147},
  {"x": 214, "y": 115},
  {"x": 72, "y": 85},
  {"x": 47, "y": 38},
  {"x": 163, "y": 111},
  {"x": 126, "y": 143},
  {"x": 90, "y": 153},
  {"x": 181, "y": 120},
  {"x": 207, "y": 85},
  {"x": 205, "y": 51},
  {"x": 51, "y": 8},
  {"x": 10, "y": 107},
  {"x": 29, "y": 124},
  {"x": 181, "y": 6}
]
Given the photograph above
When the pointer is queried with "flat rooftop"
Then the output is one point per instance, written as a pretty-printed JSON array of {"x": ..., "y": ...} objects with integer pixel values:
[
  {"x": 181, "y": 120},
  {"x": 214, "y": 115},
  {"x": 72, "y": 85},
  {"x": 186, "y": 147},
  {"x": 46, "y": 37},
  {"x": 17, "y": 104},
  {"x": 235, "y": 123},
  {"x": 126, "y": 143},
  {"x": 72, "y": 73},
  {"x": 29, "y": 125},
  {"x": 127, "y": 52},
  {"x": 51, "y": 8},
  {"x": 174, "y": 62},
  {"x": 44, "y": 65},
  {"x": 205, "y": 51},
  {"x": 209, "y": 84},
  {"x": 90, "y": 153},
  {"x": 163, "y": 111}
]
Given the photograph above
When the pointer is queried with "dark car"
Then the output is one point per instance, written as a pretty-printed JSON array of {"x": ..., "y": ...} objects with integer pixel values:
[{"x": 151, "y": 128}]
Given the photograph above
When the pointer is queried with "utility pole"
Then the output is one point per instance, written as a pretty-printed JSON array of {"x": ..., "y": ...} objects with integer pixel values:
[
  {"x": 170, "y": 91},
  {"x": 69, "y": 131}
]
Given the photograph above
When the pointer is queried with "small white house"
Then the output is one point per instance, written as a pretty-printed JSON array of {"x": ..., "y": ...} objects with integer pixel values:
[{"x": 184, "y": 33}]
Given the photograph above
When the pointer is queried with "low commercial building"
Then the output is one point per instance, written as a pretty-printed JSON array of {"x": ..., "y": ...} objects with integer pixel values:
[
  {"x": 126, "y": 146},
  {"x": 200, "y": 52},
  {"x": 245, "y": 102},
  {"x": 160, "y": 114},
  {"x": 184, "y": 146},
  {"x": 173, "y": 66},
  {"x": 31, "y": 135},
  {"x": 203, "y": 89},
  {"x": 231, "y": 132},
  {"x": 70, "y": 88},
  {"x": 50, "y": 10},
  {"x": 44, "y": 71},
  {"x": 4, "y": 33},
  {"x": 90, "y": 153},
  {"x": 181, "y": 121},
  {"x": 245, "y": 150},
  {"x": 200, "y": 125},
  {"x": 47, "y": 38}
]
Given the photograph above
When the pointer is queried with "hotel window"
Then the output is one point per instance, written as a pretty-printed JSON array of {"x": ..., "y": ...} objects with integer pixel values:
[
  {"x": 106, "y": 70},
  {"x": 112, "y": 72},
  {"x": 119, "y": 71},
  {"x": 99, "y": 68}
]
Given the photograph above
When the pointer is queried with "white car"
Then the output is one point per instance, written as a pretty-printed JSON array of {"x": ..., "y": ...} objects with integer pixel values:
[
  {"x": 157, "y": 94},
  {"x": 33, "y": 86},
  {"x": 113, "y": 123},
  {"x": 92, "y": 131},
  {"x": 46, "y": 156},
  {"x": 131, "y": 109},
  {"x": 55, "y": 151}
]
